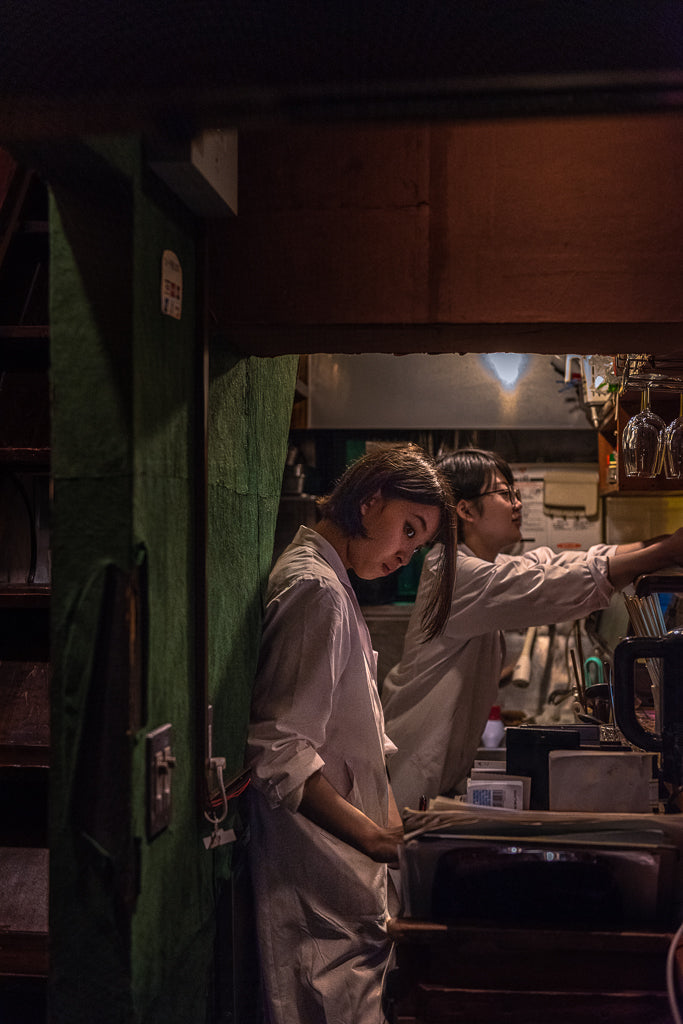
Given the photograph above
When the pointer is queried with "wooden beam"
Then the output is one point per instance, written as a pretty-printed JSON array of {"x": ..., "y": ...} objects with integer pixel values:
[
  {"x": 130, "y": 67},
  {"x": 400, "y": 339}
]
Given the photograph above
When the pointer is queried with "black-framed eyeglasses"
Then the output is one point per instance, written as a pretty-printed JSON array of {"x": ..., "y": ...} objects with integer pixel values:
[{"x": 513, "y": 494}]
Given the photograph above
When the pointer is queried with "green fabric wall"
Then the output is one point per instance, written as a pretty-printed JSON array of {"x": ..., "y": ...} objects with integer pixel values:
[{"x": 132, "y": 919}]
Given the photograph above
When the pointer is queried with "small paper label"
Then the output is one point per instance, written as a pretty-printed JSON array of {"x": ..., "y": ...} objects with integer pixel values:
[
  {"x": 171, "y": 285},
  {"x": 219, "y": 838}
]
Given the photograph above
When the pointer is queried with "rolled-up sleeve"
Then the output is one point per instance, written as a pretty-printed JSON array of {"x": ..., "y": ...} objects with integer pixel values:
[
  {"x": 536, "y": 588},
  {"x": 304, "y": 649}
]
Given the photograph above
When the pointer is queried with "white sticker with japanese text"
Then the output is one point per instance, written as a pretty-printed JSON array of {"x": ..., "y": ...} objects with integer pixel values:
[{"x": 171, "y": 285}]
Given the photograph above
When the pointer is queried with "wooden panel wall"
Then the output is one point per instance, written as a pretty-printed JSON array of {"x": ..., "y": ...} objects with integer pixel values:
[
  {"x": 563, "y": 220},
  {"x": 558, "y": 221}
]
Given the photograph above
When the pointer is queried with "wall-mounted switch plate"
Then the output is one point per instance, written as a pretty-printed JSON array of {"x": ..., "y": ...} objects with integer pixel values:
[{"x": 160, "y": 765}]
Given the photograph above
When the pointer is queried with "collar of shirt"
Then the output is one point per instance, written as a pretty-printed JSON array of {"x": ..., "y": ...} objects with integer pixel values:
[
  {"x": 306, "y": 537},
  {"x": 311, "y": 538}
]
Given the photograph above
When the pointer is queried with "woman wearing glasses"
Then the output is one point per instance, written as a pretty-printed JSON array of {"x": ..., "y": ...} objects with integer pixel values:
[{"x": 437, "y": 699}]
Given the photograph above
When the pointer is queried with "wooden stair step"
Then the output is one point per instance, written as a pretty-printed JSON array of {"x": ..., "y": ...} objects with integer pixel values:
[
  {"x": 24, "y": 713},
  {"x": 24, "y": 911}
]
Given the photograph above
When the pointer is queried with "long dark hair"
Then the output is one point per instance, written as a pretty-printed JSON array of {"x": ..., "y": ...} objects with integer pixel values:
[
  {"x": 405, "y": 472},
  {"x": 470, "y": 471}
]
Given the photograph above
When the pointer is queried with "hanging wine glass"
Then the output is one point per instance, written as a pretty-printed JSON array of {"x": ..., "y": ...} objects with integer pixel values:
[
  {"x": 642, "y": 441},
  {"x": 673, "y": 445}
]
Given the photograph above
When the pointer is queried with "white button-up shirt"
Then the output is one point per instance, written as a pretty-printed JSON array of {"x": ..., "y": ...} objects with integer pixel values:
[
  {"x": 320, "y": 904},
  {"x": 437, "y": 699}
]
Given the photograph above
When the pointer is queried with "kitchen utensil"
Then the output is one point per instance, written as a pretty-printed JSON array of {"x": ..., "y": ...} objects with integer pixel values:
[
  {"x": 580, "y": 684},
  {"x": 599, "y": 700},
  {"x": 646, "y": 618},
  {"x": 584, "y": 717},
  {"x": 593, "y": 672},
  {"x": 521, "y": 674}
]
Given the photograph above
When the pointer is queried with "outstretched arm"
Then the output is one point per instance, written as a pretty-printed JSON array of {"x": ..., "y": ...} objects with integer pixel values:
[{"x": 632, "y": 560}]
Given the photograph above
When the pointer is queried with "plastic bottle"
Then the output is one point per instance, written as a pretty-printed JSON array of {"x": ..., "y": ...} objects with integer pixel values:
[{"x": 494, "y": 730}]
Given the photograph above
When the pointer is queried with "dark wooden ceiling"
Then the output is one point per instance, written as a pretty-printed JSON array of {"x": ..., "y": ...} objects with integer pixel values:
[
  {"x": 73, "y": 69},
  {"x": 69, "y": 70}
]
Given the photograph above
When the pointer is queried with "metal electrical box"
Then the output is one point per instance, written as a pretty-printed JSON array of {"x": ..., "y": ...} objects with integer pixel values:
[{"x": 160, "y": 765}]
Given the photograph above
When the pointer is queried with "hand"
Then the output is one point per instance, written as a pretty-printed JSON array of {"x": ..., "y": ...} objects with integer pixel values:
[
  {"x": 383, "y": 844},
  {"x": 632, "y": 560},
  {"x": 323, "y": 805}
]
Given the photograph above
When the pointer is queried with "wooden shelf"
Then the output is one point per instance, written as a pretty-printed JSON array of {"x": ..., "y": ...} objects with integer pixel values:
[{"x": 665, "y": 403}]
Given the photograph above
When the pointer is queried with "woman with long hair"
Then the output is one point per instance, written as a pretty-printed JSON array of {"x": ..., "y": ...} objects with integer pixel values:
[{"x": 437, "y": 699}]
